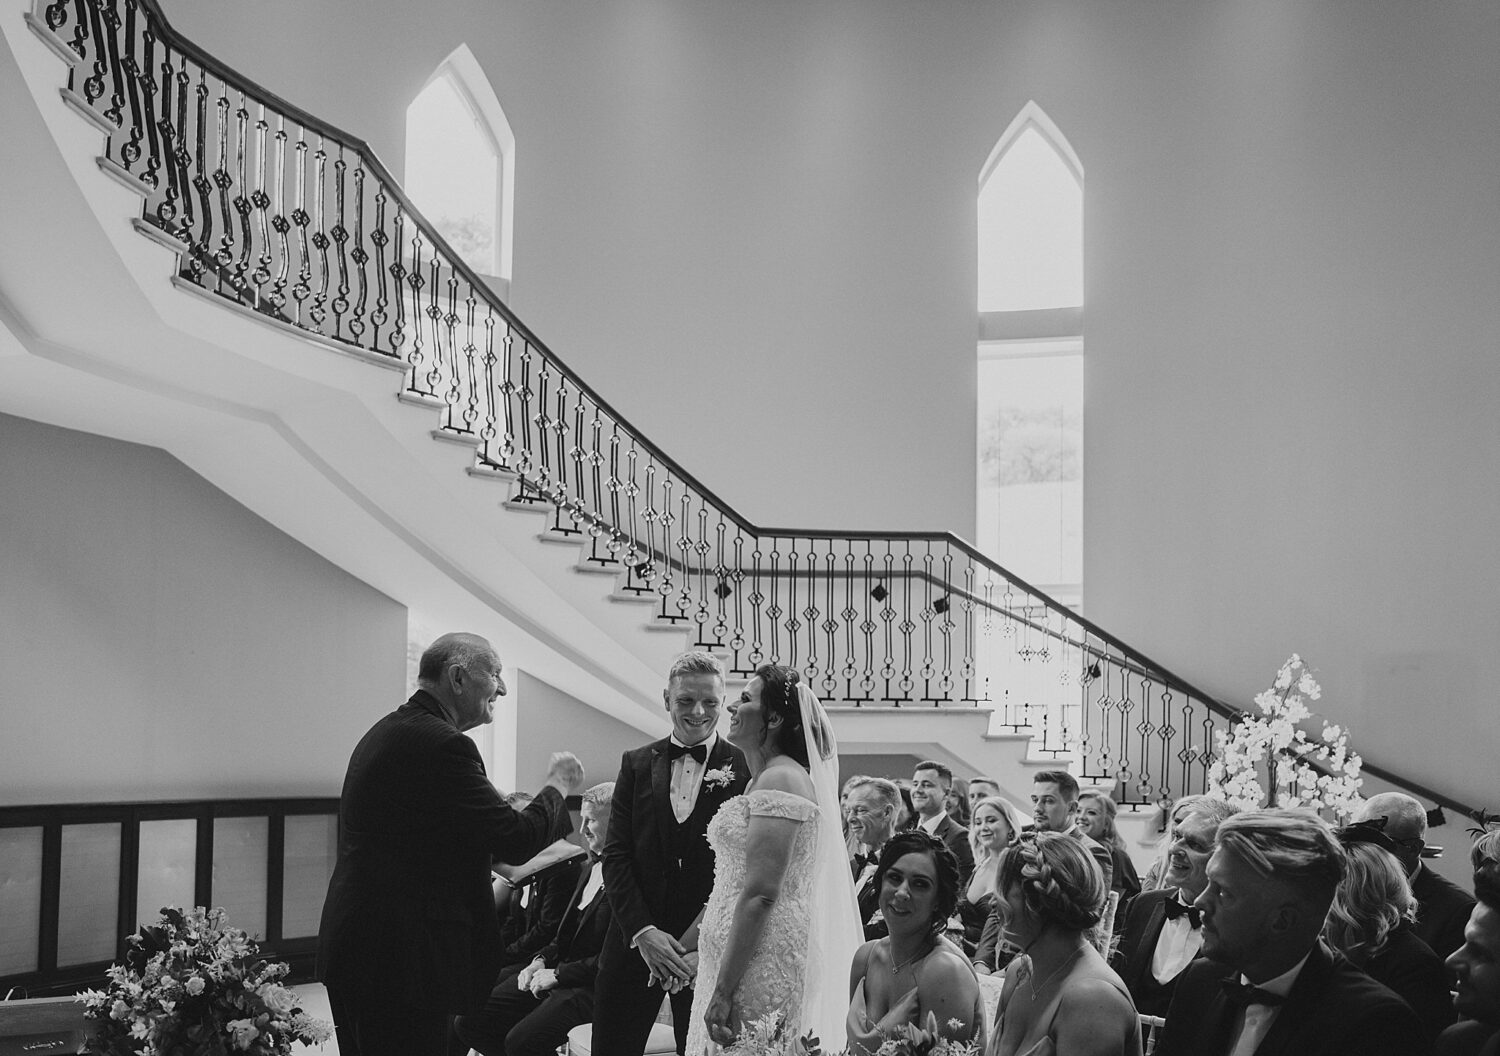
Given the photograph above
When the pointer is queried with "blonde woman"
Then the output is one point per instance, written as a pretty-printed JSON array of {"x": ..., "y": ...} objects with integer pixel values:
[
  {"x": 1370, "y": 922},
  {"x": 995, "y": 825},
  {"x": 1061, "y": 996},
  {"x": 1096, "y": 815}
]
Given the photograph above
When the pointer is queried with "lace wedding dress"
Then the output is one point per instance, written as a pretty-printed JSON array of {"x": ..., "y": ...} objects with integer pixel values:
[{"x": 774, "y": 978}]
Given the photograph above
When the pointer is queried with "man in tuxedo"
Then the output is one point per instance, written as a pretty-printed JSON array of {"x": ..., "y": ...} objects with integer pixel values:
[
  {"x": 1443, "y": 907},
  {"x": 1475, "y": 965},
  {"x": 1162, "y": 931},
  {"x": 530, "y": 1011},
  {"x": 409, "y": 934},
  {"x": 1266, "y": 986},
  {"x": 534, "y": 912},
  {"x": 658, "y": 866},
  {"x": 930, "y": 783},
  {"x": 1054, "y": 808},
  {"x": 871, "y": 809}
]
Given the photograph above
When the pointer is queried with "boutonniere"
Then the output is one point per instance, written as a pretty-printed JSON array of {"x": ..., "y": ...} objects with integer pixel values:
[{"x": 718, "y": 778}]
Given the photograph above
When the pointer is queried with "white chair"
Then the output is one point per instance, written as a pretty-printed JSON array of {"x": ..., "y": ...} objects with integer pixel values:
[{"x": 1150, "y": 1031}]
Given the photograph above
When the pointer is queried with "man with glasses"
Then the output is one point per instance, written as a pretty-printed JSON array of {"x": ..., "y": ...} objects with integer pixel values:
[
  {"x": 1443, "y": 907},
  {"x": 409, "y": 935},
  {"x": 871, "y": 809}
]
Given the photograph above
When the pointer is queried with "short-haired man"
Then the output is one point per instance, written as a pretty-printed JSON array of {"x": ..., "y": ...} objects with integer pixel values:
[
  {"x": 1054, "y": 808},
  {"x": 1476, "y": 964},
  {"x": 871, "y": 808},
  {"x": 658, "y": 865},
  {"x": 530, "y": 1011},
  {"x": 1265, "y": 983},
  {"x": 982, "y": 788},
  {"x": 1443, "y": 907},
  {"x": 930, "y": 784},
  {"x": 1162, "y": 931},
  {"x": 409, "y": 934}
]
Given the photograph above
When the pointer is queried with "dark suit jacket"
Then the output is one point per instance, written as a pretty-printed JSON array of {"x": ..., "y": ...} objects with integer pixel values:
[
  {"x": 409, "y": 917},
  {"x": 868, "y": 897},
  {"x": 1443, "y": 910},
  {"x": 574, "y": 950},
  {"x": 1140, "y": 930},
  {"x": 992, "y": 951},
  {"x": 1333, "y": 1009},
  {"x": 648, "y": 880},
  {"x": 527, "y": 931},
  {"x": 957, "y": 838},
  {"x": 1409, "y": 968}
]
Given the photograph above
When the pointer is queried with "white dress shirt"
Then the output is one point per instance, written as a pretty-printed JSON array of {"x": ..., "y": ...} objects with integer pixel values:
[
  {"x": 1176, "y": 946},
  {"x": 687, "y": 778},
  {"x": 1258, "y": 1018},
  {"x": 930, "y": 825}
]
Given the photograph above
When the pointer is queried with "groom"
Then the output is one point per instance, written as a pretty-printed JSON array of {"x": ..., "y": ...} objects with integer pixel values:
[{"x": 658, "y": 866}]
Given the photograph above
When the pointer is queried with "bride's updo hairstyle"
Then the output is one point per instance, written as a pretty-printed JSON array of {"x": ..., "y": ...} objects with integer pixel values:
[
  {"x": 944, "y": 863},
  {"x": 778, "y": 696},
  {"x": 1060, "y": 882}
]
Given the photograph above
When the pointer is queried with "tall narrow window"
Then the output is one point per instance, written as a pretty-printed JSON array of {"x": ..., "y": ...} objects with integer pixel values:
[
  {"x": 460, "y": 164},
  {"x": 1030, "y": 300}
]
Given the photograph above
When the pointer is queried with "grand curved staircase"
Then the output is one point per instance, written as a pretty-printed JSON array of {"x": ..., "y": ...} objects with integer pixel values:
[{"x": 266, "y": 303}]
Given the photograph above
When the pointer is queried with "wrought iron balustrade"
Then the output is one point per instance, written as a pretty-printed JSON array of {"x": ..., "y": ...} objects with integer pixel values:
[{"x": 286, "y": 215}]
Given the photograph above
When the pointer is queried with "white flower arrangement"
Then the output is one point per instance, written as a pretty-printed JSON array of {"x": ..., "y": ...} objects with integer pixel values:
[
  {"x": 718, "y": 777},
  {"x": 767, "y": 1037},
  {"x": 190, "y": 985},
  {"x": 1274, "y": 739}
]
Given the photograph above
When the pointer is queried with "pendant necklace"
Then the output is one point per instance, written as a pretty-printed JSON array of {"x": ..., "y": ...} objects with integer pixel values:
[
  {"x": 922, "y": 951},
  {"x": 1031, "y": 982}
]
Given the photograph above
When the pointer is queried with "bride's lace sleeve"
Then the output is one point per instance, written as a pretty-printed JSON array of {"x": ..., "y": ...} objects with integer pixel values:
[{"x": 773, "y": 803}]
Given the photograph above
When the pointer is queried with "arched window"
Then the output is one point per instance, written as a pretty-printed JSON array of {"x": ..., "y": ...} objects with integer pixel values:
[
  {"x": 1030, "y": 300},
  {"x": 460, "y": 164}
]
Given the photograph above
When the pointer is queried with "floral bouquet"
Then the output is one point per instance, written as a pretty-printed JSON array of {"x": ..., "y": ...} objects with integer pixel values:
[
  {"x": 1319, "y": 774},
  {"x": 766, "y": 1037},
  {"x": 191, "y": 986}
]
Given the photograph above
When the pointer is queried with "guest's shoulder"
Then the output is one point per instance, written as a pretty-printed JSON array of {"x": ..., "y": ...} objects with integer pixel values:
[
  {"x": 1430, "y": 885},
  {"x": 947, "y": 967},
  {"x": 1353, "y": 990}
]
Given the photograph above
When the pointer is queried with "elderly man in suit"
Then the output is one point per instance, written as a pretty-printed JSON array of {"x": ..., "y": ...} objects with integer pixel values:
[
  {"x": 1266, "y": 986},
  {"x": 930, "y": 784},
  {"x": 409, "y": 934},
  {"x": 658, "y": 865},
  {"x": 1443, "y": 907},
  {"x": 530, "y": 1011},
  {"x": 871, "y": 807},
  {"x": 1162, "y": 931}
]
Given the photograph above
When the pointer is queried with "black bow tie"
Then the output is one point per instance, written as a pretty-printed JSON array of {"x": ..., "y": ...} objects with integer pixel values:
[
  {"x": 1243, "y": 995},
  {"x": 698, "y": 751},
  {"x": 1174, "y": 908},
  {"x": 862, "y": 860}
]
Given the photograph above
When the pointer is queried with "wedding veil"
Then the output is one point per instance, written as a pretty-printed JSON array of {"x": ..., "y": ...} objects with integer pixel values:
[{"x": 835, "y": 932}]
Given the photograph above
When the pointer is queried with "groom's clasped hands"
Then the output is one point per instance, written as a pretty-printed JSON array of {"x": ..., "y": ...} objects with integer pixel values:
[{"x": 673, "y": 967}]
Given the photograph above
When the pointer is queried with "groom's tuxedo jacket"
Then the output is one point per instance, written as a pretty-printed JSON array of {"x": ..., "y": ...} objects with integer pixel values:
[
  {"x": 1334, "y": 1009},
  {"x": 657, "y": 871}
]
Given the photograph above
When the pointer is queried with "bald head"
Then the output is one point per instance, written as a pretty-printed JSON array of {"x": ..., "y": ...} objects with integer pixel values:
[
  {"x": 1405, "y": 822},
  {"x": 462, "y": 671}
]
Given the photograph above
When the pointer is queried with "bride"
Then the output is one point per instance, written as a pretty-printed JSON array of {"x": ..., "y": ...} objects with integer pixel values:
[{"x": 780, "y": 852}]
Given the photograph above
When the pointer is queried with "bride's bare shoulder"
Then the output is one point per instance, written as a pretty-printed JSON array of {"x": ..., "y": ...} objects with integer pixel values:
[{"x": 786, "y": 777}]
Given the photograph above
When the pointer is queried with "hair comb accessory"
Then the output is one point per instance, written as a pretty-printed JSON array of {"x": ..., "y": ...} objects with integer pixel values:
[{"x": 1371, "y": 831}]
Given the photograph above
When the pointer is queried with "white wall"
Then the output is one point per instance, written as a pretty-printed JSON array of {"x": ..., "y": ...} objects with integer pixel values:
[
  {"x": 159, "y": 641},
  {"x": 549, "y": 720},
  {"x": 750, "y": 226}
]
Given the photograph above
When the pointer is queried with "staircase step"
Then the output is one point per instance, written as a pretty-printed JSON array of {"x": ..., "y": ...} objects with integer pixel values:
[
  {"x": 416, "y": 399},
  {"x": 493, "y": 473},
  {"x": 77, "y": 104},
  {"x": 120, "y": 175},
  {"x": 448, "y": 436},
  {"x": 51, "y": 39}
]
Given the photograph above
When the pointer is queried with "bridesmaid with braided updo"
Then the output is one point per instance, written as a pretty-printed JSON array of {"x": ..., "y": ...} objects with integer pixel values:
[{"x": 1060, "y": 996}]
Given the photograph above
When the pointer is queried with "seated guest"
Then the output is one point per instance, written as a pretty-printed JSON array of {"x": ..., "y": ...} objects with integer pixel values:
[
  {"x": 1061, "y": 996},
  {"x": 872, "y": 809},
  {"x": 930, "y": 784},
  {"x": 1096, "y": 817},
  {"x": 1476, "y": 964},
  {"x": 1370, "y": 923},
  {"x": 996, "y": 826},
  {"x": 1054, "y": 799},
  {"x": 1155, "y": 876},
  {"x": 913, "y": 978},
  {"x": 956, "y": 802},
  {"x": 1265, "y": 983},
  {"x": 530, "y": 1011},
  {"x": 1442, "y": 906},
  {"x": 1162, "y": 931},
  {"x": 535, "y": 911},
  {"x": 982, "y": 788}
]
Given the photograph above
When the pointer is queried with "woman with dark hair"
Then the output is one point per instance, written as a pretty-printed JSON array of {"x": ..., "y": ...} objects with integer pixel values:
[
  {"x": 781, "y": 922},
  {"x": 1059, "y": 996},
  {"x": 913, "y": 979}
]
